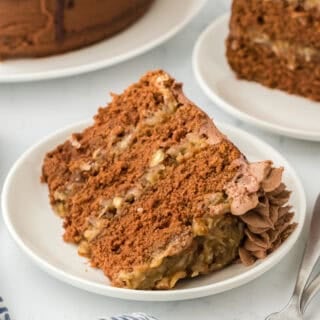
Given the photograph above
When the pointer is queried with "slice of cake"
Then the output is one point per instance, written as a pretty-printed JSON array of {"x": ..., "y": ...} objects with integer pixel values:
[
  {"x": 152, "y": 192},
  {"x": 276, "y": 43}
]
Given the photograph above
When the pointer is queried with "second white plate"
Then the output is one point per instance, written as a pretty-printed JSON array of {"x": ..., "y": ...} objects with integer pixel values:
[
  {"x": 273, "y": 110},
  {"x": 38, "y": 231}
]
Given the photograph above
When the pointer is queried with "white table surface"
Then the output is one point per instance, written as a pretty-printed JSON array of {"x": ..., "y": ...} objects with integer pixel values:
[{"x": 29, "y": 111}]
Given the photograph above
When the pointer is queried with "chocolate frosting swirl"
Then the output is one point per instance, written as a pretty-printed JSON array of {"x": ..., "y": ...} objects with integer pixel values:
[{"x": 259, "y": 199}]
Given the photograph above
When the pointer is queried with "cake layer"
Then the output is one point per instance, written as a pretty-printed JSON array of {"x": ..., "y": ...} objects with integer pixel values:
[
  {"x": 152, "y": 192},
  {"x": 294, "y": 21},
  {"x": 33, "y": 28},
  {"x": 288, "y": 69}
]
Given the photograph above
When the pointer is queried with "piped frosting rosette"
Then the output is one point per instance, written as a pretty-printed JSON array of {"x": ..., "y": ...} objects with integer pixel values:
[{"x": 260, "y": 199}]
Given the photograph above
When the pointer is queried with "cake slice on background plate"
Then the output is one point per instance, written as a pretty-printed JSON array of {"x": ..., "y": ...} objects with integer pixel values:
[
  {"x": 277, "y": 44},
  {"x": 153, "y": 192}
]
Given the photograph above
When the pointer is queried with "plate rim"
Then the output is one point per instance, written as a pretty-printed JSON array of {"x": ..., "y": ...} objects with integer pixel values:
[
  {"x": 104, "y": 63},
  {"x": 230, "y": 108},
  {"x": 147, "y": 295}
]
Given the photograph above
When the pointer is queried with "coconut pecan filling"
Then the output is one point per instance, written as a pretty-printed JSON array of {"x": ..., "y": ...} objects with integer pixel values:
[
  {"x": 214, "y": 244},
  {"x": 291, "y": 54}
]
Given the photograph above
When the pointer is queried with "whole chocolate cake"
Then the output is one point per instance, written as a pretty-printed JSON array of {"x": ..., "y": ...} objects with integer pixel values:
[{"x": 34, "y": 28}]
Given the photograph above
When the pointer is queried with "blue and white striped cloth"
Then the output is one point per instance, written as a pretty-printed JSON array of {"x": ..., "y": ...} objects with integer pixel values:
[
  {"x": 4, "y": 314},
  {"x": 134, "y": 316}
]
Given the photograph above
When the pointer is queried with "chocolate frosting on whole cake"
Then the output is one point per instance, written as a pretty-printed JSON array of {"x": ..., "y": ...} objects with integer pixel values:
[
  {"x": 33, "y": 28},
  {"x": 59, "y": 18}
]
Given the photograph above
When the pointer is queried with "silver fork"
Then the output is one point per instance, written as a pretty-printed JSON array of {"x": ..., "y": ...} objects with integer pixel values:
[
  {"x": 310, "y": 292},
  {"x": 295, "y": 307}
]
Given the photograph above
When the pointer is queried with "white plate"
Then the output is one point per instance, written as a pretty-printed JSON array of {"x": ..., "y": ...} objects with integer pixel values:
[
  {"x": 37, "y": 230},
  {"x": 164, "y": 19},
  {"x": 274, "y": 110}
]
